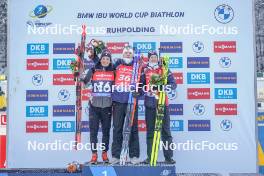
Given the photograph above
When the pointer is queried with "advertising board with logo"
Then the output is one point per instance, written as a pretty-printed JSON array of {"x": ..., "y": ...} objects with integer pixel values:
[{"x": 211, "y": 60}]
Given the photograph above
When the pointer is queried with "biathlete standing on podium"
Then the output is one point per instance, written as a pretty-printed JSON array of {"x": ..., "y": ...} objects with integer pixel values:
[
  {"x": 100, "y": 109},
  {"x": 154, "y": 68},
  {"x": 123, "y": 74}
]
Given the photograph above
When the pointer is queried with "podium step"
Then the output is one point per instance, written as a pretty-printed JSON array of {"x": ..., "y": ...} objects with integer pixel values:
[{"x": 129, "y": 170}]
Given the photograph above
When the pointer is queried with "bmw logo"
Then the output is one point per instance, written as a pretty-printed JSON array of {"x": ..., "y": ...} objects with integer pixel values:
[
  {"x": 224, "y": 13},
  {"x": 198, "y": 109},
  {"x": 226, "y": 125},
  {"x": 225, "y": 62},
  {"x": 172, "y": 94},
  {"x": 37, "y": 80},
  {"x": 64, "y": 95},
  {"x": 198, "y": 47}
]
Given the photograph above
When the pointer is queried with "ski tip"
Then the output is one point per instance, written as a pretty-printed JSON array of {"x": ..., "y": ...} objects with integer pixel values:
[
  {"x": 83, "y": 29},
  {"x": 83, "y": 26}
]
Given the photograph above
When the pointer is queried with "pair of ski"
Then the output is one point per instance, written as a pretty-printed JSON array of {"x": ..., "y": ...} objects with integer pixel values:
[
  {"x": 77, "y": 68},
  {"x": 160, "y": 113},
  {"x": 131, "y": 108}
]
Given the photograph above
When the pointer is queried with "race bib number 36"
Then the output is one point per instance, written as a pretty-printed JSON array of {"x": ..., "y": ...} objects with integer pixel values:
[{"x": 123, "y": 75}]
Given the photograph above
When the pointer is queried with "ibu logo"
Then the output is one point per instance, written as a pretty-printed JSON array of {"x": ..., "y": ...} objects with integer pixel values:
[
  {"x": 175, "y": 62},
  {"x": 198, "y": 78},
  {"x": 37, "y": 48},
  {"x": 176, "y": 125},
  {"x": 63, "y": 126},
  {"x": 144, "y": 47},
  {"x": 225, "y": 93},
  {"x": 62, "y": 64},
  {"x": 37, "y": 111}
]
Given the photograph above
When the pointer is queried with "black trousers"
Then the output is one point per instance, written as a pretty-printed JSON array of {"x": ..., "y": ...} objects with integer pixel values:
[
  {"x": 119, "y": 113},
  {"x": 150, "y": 116},
  {"x": 97, "y": 116}
]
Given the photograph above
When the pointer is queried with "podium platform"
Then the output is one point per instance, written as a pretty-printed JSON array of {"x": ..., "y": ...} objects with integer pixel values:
[
  {"x": 98, "y": 170},
  {"x": 129, "y": 170}
]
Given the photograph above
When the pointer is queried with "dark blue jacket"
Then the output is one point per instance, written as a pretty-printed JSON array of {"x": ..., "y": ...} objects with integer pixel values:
[
  {"x": 99, "y": 101},
  {"x": 121, "y": 97},
  {"x": 90, "y": 63}
]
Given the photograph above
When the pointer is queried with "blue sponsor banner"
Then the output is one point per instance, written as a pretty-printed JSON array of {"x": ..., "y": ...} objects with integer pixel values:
[
  {"x": 63, "y": 126},
  {"x": 37, "y": 95},
  {"x": 37, "y": 48},
  {"x": 62, "y": 64},
  {"x": 171, "y": 47},
  {"x": 225, "y": 77},
  {"x": 175, "y": 62},
  {"x": 199, "y": 125},
  {"x": 37, "y": 111},
  {"x": 85, "y": 126},
  {"x": 225, "y": 93},
  {"x": 176, "y": 109},
  {"x": 198, "y": 62},
  {"x": 198, "y": 78},
  {"x": 63, "y": 48},
  {"x": 176, "y": 125},
  {"x": 63, "y": 110},
  {"x": 144, "y": 47}
]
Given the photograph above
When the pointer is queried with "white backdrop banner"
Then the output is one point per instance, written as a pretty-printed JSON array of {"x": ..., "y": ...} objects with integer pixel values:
[{"x": 210, "y": 44}]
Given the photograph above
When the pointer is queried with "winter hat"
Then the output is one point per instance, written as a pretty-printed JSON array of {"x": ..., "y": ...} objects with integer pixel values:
[
  {"x": 106, "y": 53},
  {"x": 152, "y": 52}
]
